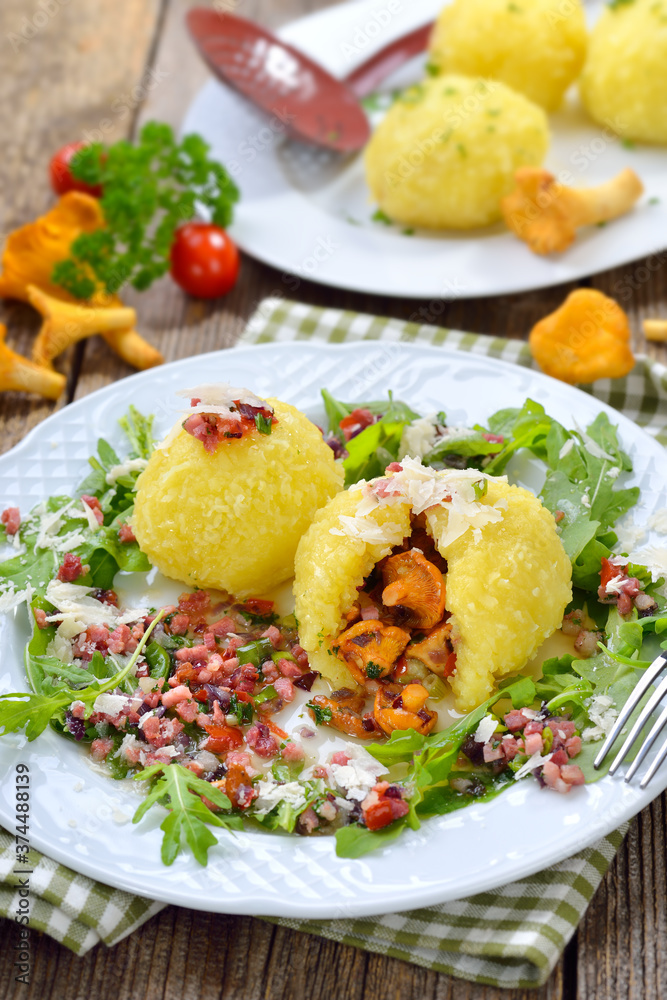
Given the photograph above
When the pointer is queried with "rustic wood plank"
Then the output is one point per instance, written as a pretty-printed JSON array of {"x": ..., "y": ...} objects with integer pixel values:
[
  {"x": 67, "y": 80},
  {"x": 67, "y": 69}
]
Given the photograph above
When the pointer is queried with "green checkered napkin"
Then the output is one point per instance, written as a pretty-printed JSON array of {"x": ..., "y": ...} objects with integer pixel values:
[{"x": 512, "y": 936}]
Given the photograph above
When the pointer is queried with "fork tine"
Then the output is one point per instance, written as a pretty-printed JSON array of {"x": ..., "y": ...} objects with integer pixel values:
[
  {"x": 647, "y": 744},
  {"x": 644, "y": 716},
  {"x": 654, "y": 766},
  {"x": 642, "y": 687}
]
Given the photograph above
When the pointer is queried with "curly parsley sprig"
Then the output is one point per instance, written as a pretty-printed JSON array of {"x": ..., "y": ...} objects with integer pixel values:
[{"x": 149, "y": 189}]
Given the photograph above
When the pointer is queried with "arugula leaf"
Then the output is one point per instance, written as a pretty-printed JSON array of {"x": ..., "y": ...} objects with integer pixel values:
[
  {"x": 139, "y": 430},
  {"x": 356, "y": 841},
  {"x": 179, "y": 791},
  {"x": 34, "y": 711},
  {"x": 149, "y": 189},
  {"x": 465, "y": 445},
  {"x": 377, "y": 446}
]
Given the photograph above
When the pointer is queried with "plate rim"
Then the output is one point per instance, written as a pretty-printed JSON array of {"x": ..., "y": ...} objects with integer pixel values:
[{"x": 484, "y": 880}]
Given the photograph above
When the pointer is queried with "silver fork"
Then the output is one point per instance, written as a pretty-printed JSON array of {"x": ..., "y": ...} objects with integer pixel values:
[{"x": 649, "y": 677}]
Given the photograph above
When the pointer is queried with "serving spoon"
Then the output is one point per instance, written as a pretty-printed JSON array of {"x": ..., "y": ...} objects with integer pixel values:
[{"x": 280, "y": 79}]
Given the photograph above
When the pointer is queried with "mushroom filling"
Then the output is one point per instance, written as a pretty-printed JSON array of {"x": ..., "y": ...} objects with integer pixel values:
[{"x": 398, "y": 635}]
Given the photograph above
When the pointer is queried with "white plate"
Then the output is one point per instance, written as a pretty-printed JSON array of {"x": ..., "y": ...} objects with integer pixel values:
[
  {"x": 523, "y": 830},
  {"x": 297, "y": 201}
]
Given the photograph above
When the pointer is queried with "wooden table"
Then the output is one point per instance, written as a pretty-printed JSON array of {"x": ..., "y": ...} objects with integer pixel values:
[{"x": 108, "y": 65}]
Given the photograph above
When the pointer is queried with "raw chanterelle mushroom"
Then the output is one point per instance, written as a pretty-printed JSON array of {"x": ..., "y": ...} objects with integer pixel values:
[{"x": 546, "y": 214}]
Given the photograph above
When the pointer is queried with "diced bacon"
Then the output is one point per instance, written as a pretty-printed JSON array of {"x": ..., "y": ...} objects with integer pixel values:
[
  {"x": 188, "y": 710},
  {"x": 193, "y": 654},
  {"x": 239, "y": 758},
  {"x": 269, "y": 670},
  {"x": 510, "y": 747},
  {"x": 369, "y": 613},
  {"x": 223, "y": 626},
  {"x": 308, "y": 820},
  {"x": 320, "y": 772},
  {"x": 100, "y": 749},
  {"x": 209, "y": 642},
  {"x": 563, "y": 728},
  {"x": 560, "y": 756},
  {"x": 194, "y": 766},
  {"x": 78, "y": 709},
  {"x": 132, "y": 754},
  {"x": 40, "y": 618},
  {"x": 492, "y": 753},
  {"x": 179, "y": 624},
  {"x": 260, "y": 739},
  {"x": 229, "y": 666},
  {"x": 11, "y": 518},
  {"x": 515, "y": 720},
  {"x": 533, "y": 727},
  {"x": 552, "y": 778},
  {"x": 384, "y": 488},
  {"x": 533, "y": 743},
  {"x": 394, "y": 467},
  {"x": 285, "y": 688},
  {"x": 121, "y": 640},
  {"x": 624, "y": 604},
  {"x": 95, "y": 638},
  {"x": 161, "y": 732},
  {"x": 273, "y": 634},
  {"x": 301, "y": 656},
  {"x": 572, "y": 774},
  {"x": 94, "y": 504},
  {"x": 493, "y": 438},
  {"x": 340, "y": 757},
  {"x": 71, "y": 569},
  {"x": 293, "y": 753},
  {"x": 235, "y": 642},
  {"x": 173, "y": 696},
  {"x": 573, "y": 746},
  {"x": 126, "y": 534},
  {"x": 288, "y": 668}
]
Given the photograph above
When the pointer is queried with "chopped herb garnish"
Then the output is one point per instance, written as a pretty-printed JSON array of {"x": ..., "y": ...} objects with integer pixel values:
[
  {"x": 373, "y": 670},
  {"x": 320, "y": 714},
  {"x": 263, "y": 424},
  {"x": 380, "y": 216}
]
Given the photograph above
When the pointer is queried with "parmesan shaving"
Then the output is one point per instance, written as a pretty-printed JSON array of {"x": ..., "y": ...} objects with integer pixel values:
[
  {"x": 132, "y": 465},
  {"x": 537, "y": 760},
  {"x": 219, "y": 397}
]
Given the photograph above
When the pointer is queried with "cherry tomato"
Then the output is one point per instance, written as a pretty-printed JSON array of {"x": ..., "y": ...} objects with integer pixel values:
[
  {"x": 61, "y": 175},
  {"x": 204, "y": 261},
  {"x": 221, "y": 739}
]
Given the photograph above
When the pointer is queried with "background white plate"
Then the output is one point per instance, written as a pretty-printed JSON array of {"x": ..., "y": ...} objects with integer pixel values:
[
  {"x": 79, "y": 816},
  {"x": 297, "y": 201}
]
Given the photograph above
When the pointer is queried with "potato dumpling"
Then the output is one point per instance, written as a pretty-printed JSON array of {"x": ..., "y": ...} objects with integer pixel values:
[
  {"x": 447, "y": 151},
  {"x": 534, "y": 46},
  {"x": 507, "y": 576},
  {"x": 624, "y": 82},
  {"x": 231, "y": 518}
]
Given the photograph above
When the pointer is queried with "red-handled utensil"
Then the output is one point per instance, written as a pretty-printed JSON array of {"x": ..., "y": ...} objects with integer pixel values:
[{"x": 283, "y": 81}]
